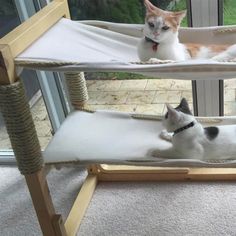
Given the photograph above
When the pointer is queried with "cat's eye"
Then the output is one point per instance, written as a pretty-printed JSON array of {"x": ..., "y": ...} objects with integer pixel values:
[
  {"x": 165, "y": 27},
  {"x": 151, "y": 25}
]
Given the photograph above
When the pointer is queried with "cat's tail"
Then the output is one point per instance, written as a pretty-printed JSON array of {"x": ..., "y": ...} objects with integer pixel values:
[
  {"x": 228, "y": 55},
  {"x": 232, "y": 52}
]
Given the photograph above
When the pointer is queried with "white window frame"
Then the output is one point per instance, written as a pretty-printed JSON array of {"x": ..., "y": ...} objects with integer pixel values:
[{"x": 207, "y": 94}]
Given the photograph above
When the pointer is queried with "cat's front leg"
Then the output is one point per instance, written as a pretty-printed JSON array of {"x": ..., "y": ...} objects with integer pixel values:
[
  {"x": 166, "y": 153},
  {"x": 166, "y": 136}
]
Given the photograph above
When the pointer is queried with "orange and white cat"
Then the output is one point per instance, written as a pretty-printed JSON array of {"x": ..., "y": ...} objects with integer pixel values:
[{"x": 160, "y": 40}]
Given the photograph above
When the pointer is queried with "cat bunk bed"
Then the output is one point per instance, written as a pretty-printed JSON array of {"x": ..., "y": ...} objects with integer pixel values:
[{"x": 113, "y": 145}]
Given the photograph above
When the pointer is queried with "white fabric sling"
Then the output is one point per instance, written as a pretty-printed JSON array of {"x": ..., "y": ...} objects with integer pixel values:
[
  {"x": 118, "y": 138},
  {"x": 102, "y": 46}
]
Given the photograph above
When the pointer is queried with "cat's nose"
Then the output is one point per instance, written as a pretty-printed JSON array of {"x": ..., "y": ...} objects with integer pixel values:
[{"x": 156, "y": 34}]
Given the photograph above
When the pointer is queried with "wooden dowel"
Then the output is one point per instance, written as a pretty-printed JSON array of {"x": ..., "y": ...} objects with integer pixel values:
[{"x": 80, "y": 205}]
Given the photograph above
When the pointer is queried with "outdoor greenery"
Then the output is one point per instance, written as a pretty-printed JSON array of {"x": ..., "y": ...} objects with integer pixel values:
[
  {"x": 108, "y": 10},
  {"x": 229, "y": 12},
  {"x": 122, "y": 11}
]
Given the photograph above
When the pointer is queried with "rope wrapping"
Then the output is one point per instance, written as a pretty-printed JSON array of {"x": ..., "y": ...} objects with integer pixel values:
[
  {"x": 55, "y": 64},
  {"x": 77, "y": 88},
  {"x": 20, "y": 127},
  {"x": 226, "y": 30}
]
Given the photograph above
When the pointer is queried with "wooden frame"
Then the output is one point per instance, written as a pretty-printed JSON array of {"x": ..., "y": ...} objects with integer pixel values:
[{"x": 51, "y": 223}]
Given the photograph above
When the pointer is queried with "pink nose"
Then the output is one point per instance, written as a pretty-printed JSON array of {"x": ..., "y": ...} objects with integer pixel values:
[{"x": 156, "y": 34}]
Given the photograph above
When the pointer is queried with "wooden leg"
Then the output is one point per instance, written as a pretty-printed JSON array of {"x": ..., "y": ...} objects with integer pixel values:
[
  {"x": 80, "y": 205},
  {"x": 59, "y": 225},
  {"x": 43, "y": 204}
]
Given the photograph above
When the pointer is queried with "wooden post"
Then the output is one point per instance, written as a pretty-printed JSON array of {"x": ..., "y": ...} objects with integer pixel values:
[
  {"x": 42, "y": 201},
  {"x": 7, "y": 67}
]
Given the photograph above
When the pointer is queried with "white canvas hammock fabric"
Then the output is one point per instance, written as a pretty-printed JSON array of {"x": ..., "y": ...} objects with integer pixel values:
[
  {"x": 102, "y": 46},
  {"x": 106, "y": 137}
]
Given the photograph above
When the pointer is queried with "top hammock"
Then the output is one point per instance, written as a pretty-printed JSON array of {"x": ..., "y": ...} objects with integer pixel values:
[{"x": 102, "y": 46}]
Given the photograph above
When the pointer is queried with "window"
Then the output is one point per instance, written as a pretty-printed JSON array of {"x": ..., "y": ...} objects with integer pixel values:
[
  {"x": 36, "y": 83},
  {"x": 8, "y": 17},
  {"x": 125, "y": 91}
]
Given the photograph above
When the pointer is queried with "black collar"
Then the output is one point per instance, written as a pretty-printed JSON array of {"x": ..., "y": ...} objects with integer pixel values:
[{"x": 191, "y": 124}]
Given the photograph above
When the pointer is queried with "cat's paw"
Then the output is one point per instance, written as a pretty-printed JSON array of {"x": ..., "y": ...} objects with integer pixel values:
[
  {"x": 156, "y": 153},
  {"x": 219, "y": 58},
  {"x": 158, "y": 61},
  {"x": 166, "y": 136},
  {"x": 153, "y": 153}
]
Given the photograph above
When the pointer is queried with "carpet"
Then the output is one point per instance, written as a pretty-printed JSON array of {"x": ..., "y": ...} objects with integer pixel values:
[{"x": 124, "y": 209}]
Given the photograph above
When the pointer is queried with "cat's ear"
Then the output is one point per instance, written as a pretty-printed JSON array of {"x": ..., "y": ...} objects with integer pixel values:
[
  {"x": 179, "y": 16},
  {"x": 172, "y": 113},
  {"x": 184, "y": 103},
  {"x": 151, "y": 8},
  {"x": 184, "y": 107}
]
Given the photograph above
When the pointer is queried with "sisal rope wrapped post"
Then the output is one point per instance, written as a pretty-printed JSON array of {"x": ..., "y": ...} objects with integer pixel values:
[
  {"x": 20, "y": 127},
  {"x": 77, "y": 88}
]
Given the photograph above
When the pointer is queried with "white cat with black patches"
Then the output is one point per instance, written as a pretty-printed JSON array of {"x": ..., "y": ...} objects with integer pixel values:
[
  {"x": 160, "y": 40},
  {"x": 190, "y": 140}
]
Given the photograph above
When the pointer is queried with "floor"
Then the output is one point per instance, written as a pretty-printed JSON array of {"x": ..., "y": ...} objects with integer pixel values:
[
  {"x": 140, "y": 96},
  {"x": 123, "y": 209}
]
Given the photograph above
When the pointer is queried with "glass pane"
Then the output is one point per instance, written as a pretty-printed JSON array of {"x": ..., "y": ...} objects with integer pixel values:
[
  {"x": 124, "y": 91},
  {"x": 9, "y": 20},
  {"x": 230, "y": 85},
  {"x": 8, "y": 17},
  {"x": 229, "y": 12},
  {"x": 4, "y": 139},
  {"x": 122, "y": 11}
]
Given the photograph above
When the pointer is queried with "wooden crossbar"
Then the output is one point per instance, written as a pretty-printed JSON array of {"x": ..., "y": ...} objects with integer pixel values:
[
  {"x": 80, "y": 205},
  {"x": 144, "y": 173}
]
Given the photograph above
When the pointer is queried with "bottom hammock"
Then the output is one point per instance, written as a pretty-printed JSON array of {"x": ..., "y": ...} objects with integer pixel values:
[{"x": 105, "y": 137}]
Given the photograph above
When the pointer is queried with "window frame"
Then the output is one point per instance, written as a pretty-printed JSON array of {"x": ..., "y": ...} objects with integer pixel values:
[{"x": 208, "y": 95}]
